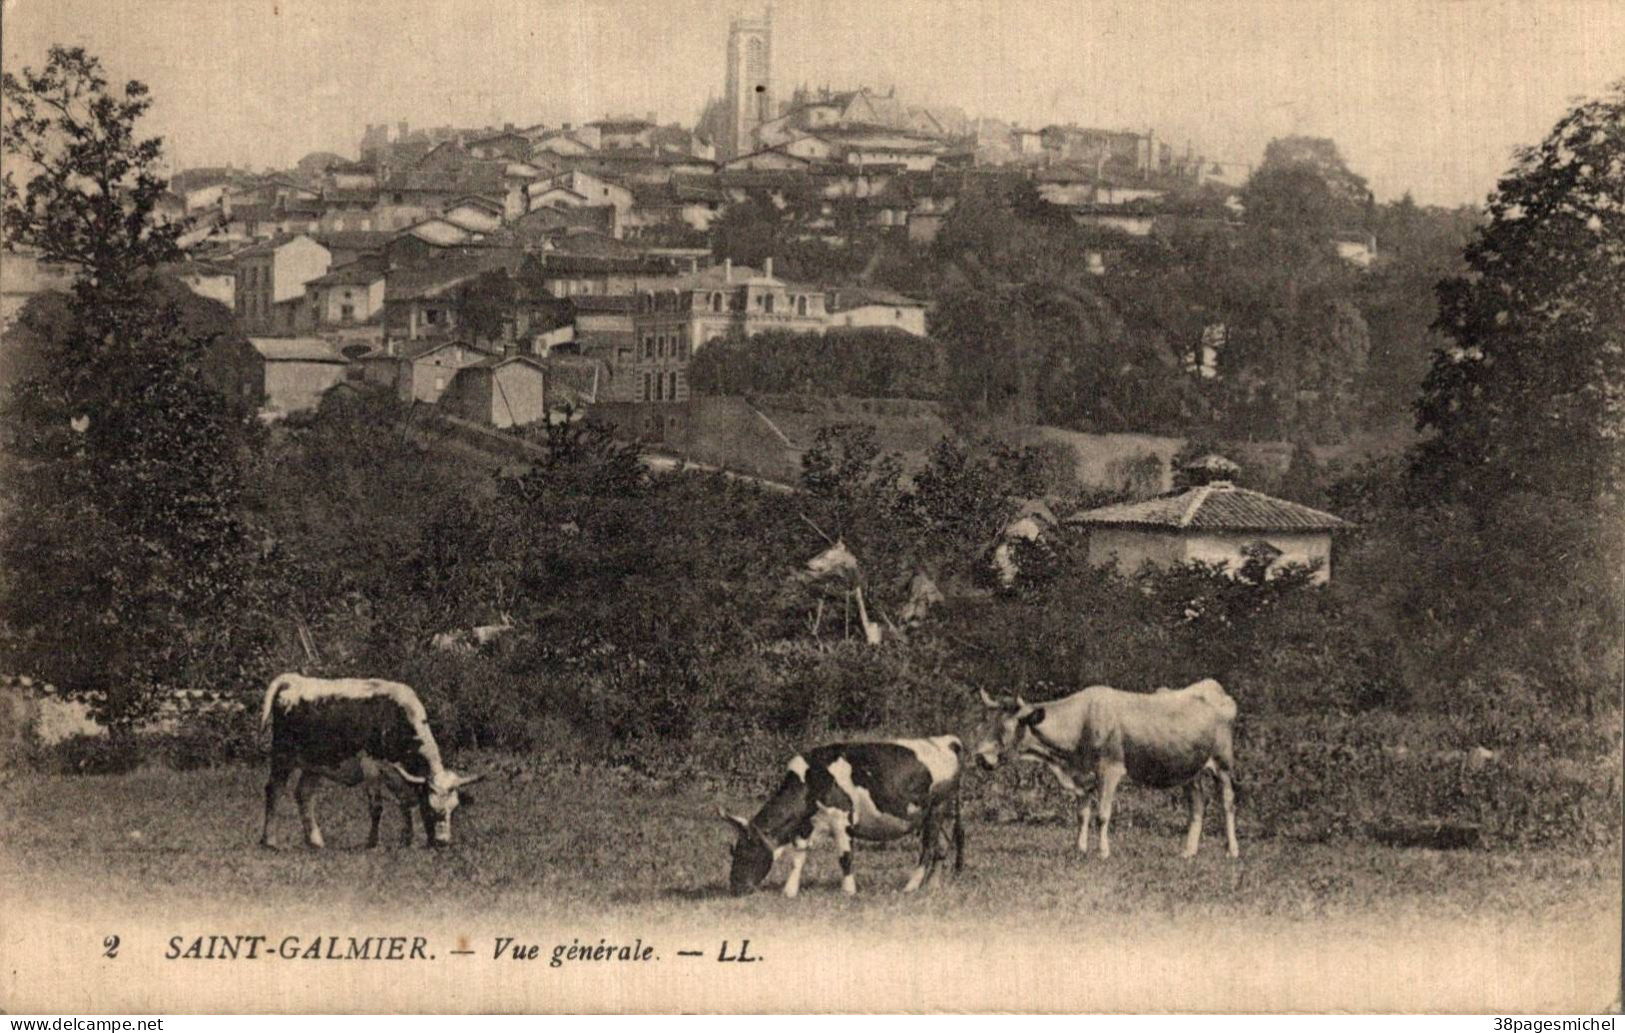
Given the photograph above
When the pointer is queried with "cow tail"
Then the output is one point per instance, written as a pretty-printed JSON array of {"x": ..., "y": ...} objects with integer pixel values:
[{"x": 276, "y": 686}]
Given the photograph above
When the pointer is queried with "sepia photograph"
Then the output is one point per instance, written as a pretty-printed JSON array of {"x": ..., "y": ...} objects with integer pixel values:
[{"x": 536, "y": 507}]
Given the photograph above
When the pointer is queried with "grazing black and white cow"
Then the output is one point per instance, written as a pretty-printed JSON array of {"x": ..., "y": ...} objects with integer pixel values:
[
  {"x": 864, "y": 790},
  {"x": 355, "y": 730},
  {"x": 1163, "y": 739}
]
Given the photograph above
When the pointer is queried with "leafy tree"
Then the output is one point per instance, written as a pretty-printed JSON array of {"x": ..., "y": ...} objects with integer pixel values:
[
  {"x": 1318, "y": 155},
  {"x": 95, "y": 184},
  {"x": 1530, "y": 393},
  {"x": 867, "y": 363},
  {"x": 133, "y": 567},
  {"x": 487, "y": 304}
]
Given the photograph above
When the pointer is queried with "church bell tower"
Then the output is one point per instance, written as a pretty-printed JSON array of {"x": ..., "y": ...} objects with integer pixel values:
[{"x": 749, "y": 83}]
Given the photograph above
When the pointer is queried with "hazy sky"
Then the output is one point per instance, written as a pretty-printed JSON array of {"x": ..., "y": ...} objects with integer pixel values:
[{"x": 1425, "y": 96}]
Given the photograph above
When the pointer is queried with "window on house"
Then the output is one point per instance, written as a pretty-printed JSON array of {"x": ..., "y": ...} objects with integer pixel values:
[
  {"x": 658, "y": 385},
  {"x": 801, "y": 305},
  {"x": 716, "y": 302},
  {"x": 347, "y": 313},
  {"x": 431, "y": 316},
  {"x": 671, "y": 391},
  {"x": 767, "y": 302},
  {"x": 648, "y": 392}
]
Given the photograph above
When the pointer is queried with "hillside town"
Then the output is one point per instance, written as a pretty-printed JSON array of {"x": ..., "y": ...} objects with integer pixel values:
[
  {"x": 1237, "y": 420},
  {"x": 576, "y": 264}
]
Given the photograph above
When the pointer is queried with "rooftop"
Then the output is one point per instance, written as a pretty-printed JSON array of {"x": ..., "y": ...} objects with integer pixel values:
[
  {"x": 355, "y": 240},
  {"x": 358, "y": 273},
  {"x": 1220, "y": 506},
  {"x": 296, "y": 349},
  {"x": 439, "y": 275},
  {"x": 270, "y": 246},
  {"x": 843, "y": 298}
]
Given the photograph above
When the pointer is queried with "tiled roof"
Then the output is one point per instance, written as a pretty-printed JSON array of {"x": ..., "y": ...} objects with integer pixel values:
[
  {"x": 545, "y": 221},
  {"x": 489, "y": 204},
  {"x": 295, "y": 349},
  {"x": 355, "y": 240},
  {"x": 435, "y": 277},
  {"x": 1212, "y": 507},
  {"x": 358, "y": 273},
  {"x": 269, "y": 246},
  {"x": 604, "y": 302},
  {"x": 843, "y": 298},
  {"x": 556, "y": 263},
  {"x": 411, "y": 351},
  {"x": 471, "y": 177},
  {"x": 350, "y": 195},
  {"x": 585, "y": 243},
  {"x": 254, "y": 213}
]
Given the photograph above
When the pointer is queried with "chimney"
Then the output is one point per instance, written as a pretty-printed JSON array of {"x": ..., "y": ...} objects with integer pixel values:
[
  {"x": 567, "y": 127},
  {"x": 401, "y": 127},
  {"x": 727, "y": 270},
  {"x": 507, "y": 127},
  {"x": 767, "y": 268}
]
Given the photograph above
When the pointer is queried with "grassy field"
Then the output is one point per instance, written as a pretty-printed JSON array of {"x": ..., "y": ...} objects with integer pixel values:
[
  {"x": 608, "y": 851},
  {"x": 602, "y": 839}
]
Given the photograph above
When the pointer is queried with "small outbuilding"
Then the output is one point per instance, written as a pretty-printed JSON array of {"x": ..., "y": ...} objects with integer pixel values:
[
  {"x": 297, "y": 371},
  {"x": 1211, "y": 521}
]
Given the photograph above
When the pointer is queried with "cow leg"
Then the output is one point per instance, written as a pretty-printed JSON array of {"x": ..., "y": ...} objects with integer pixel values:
[
  {"x": 941, "y": 843},
  {"x": 375, "y": 812},
  {"x": 959, "y": 837},
  {"x": 1086, "y": 810},
  {"x": 798, "y": 860},
  {"x": 305, "y": 794},
  {"x": 928, "y": 848},
  {"x": 1110, "y": 774},
  {"x": 406, "y": 821},
  {"x": 841, "y": 830},
  {"x": 281, "y": 770},
  {"x": 1196, "y": 798},
  {"x": 931, "y": 848},
  {"x": 1227, "y": 791}
]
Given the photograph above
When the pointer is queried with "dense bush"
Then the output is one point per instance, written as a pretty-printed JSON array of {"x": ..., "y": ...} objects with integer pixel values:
[
  {"x": 93, "y": 755},
  {"x": 867, "y": 363}
]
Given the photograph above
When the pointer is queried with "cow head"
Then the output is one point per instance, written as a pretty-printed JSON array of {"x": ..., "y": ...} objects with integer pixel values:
[
  {"x": 751, "y": 857},
  {"x": 1009, "y": 722},
  {"x": 437, "y": 798}
]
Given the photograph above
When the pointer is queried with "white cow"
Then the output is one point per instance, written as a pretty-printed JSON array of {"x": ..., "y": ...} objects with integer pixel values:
[{"x": 1161, "y": 739}]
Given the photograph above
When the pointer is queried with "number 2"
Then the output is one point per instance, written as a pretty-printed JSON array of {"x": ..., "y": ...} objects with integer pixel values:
[{"x": 110, "y": 947}]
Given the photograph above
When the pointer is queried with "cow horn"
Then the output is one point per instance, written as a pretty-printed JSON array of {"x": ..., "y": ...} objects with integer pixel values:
[
  {"x": 1021, "y": 704},
  {"x": 414, "y": 779},
  {"x": 732, "y": 819},
  {"x": 458, "y": 781},
  {"x": 987, "y": 701}
]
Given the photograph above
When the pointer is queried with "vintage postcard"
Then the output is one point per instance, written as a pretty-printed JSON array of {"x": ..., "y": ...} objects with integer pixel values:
[{"x": 821, "y": 506}]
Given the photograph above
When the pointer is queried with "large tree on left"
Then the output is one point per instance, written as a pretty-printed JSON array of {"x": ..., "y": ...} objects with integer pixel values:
[{"x": 128, "y": 564}]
